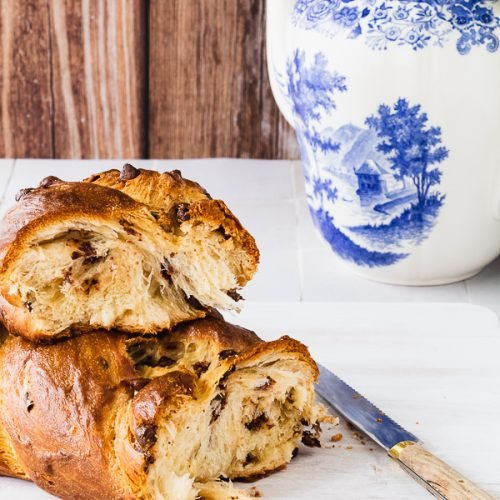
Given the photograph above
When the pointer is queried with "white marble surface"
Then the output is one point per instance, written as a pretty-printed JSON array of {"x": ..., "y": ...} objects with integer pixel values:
[{"x": 269, "y": 198}]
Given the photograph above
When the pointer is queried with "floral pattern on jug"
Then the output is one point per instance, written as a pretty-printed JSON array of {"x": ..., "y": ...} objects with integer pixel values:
[
  {"x": 416, "y": 24},
  {"x": 382, "y": 173}
]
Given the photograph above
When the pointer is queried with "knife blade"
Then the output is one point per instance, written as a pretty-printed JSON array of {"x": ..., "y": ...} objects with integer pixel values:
[{"x": 435, "y": 475}]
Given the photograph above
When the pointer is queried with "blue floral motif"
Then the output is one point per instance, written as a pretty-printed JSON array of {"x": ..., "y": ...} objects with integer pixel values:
[
  {"x": 372, "y": 188},
  {"x": 413, "y": 23},
  {"x": 312, "y": 91}
]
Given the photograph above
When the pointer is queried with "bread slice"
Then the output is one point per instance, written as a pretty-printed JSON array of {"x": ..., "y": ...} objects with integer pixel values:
[
  {"x": 80, "y": 256},
  {"x": 175, "y": 200},
  {"x": 108, "y": 416}
]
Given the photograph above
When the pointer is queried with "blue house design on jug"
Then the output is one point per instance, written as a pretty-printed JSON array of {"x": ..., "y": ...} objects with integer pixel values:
[{"x": 369, "y": 179}]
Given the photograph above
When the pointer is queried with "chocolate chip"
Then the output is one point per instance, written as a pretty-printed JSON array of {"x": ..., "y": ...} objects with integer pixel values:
[
  {"x": 217, "y": 405},
  {"x": 148, "y": 460},
  {"x": 295, "y": 452},
  {"x": 176, "y": 174},
  {"x": 93, "y": 259},
  {"x": 135, "y": 384},
  {"x": 89, "y": 252},
  {"x": 227, "y": 353},
  {"x": 129, "y": 172},
  {"x": 167, "y": 270},
  {"x": 67, "y": 279},
  {"x": 103, "y": 363},
  {"x": 201, "y": 367},
  {"x": 145, "y": 436},
  {"x": 22, "y": 193},
  {"x": 235, "y": 295},
  {"x": 89, "y": 283},
  {"x": 222, "y": 231},
  {"x": 49, "y": 181},
  {"x": 28, "y": 305},
  {"x": 165, "y": 361},
  {"x": 223, "y": 379},
  {"x": 266, "y": 385},
  {"x": 128, "y": 227},
  {"x": 28, "y": 402},
  {"x": 257, "y": 422},
  {"x": 309, "y": 439},
  {"x": 87, "y": 249},
  {"x": 182, "y": 212},
  {"x": 250, "y": 459}
]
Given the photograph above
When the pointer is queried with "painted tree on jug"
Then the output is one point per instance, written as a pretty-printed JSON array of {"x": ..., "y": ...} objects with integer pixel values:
[
  {"x": 412, "y": 146},
  {"x": 312, "y": 89}
]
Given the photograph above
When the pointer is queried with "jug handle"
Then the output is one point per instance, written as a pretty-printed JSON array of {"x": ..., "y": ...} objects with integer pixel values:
[{"x": 277, "y": 37}]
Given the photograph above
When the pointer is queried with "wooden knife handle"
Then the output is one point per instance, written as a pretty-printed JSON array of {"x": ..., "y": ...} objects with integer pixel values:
[{"x": 439, "y": 478}]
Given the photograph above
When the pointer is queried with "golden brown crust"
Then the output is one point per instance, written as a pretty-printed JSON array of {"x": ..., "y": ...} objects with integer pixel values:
[
  {"x": 164, "y": 192},
  {"x": 58, "y": 409},
  {"x": 39, "y": 207},
  {"x": 158, "y": 203},
  {"x": 59, "y": 202},
  {"x": 158, "y": 190},
  {"x": 60, "y": 403}
]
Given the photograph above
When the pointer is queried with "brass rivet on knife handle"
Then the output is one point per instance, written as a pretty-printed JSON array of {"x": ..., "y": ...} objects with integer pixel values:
[{"x": 439, "y": 478}]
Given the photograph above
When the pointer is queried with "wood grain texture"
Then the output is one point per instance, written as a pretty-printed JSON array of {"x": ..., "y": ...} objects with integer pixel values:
[
  {"x": 73, "y": 78},
  {"x": 208, "y": 89},
  {"x": 137, "y": 78},
  {"x": 99, "y": 77},
  {"x": 25, "y": 79},
  {"x": 440, "y": 479}
]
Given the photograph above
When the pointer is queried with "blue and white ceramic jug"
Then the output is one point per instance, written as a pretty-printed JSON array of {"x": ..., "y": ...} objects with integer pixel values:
[{"x": 396, "y": 105}]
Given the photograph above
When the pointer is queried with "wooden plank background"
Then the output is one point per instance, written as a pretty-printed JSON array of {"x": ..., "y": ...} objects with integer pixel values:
[{"x": 137, "y": 78}]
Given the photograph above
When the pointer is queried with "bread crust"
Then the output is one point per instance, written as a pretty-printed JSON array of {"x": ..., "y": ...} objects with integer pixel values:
[
  {"x": 39, "y": 207},
  {"x": 62, "y": 405},
  {"x": 165, "y": 191},
  {"x": 167, "y": 207},
  {"x": 60, "y": 202}
]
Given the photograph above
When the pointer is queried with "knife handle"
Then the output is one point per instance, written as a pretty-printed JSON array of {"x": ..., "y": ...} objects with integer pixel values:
[{"x": 439, "y": 478}]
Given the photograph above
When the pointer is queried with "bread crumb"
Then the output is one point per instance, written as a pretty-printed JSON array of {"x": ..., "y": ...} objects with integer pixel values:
[
  {"x": 254, "y": 492},
  {"x": 348, "y": 447},
  {"x": 336, "y": 437}
]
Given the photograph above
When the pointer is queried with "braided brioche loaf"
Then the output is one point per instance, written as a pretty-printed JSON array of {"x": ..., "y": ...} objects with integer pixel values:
[
  {"x": 104, "y": 415},
  {"x": 140, "y": 253}
]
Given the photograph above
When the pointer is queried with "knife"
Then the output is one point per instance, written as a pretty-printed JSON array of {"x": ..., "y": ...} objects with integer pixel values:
[{"x": 436, "y": 476}]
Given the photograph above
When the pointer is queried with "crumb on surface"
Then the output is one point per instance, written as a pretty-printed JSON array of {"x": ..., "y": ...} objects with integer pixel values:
[{"x": 336, "y": 437}]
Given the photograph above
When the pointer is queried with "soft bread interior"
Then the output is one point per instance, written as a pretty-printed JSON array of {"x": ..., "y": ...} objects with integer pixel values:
[
  {"x": 211, "y": 265},
  {"x": 205, "y": 224},
  {"x": 84, "y": 274},
  {"x": 240, "y": 425}
]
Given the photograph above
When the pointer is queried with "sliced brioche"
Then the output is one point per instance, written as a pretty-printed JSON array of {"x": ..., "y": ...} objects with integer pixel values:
[
  {"x": 177, "y": 200},
  {"x": 105, "y": 416},
  {"x": 80, "y": 256}
]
